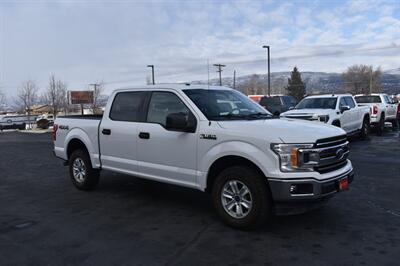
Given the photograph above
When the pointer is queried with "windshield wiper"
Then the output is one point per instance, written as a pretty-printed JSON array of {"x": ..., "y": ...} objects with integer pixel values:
[
  {"x": 228, "y": 117},
  {"x": 259, "y": 115}
]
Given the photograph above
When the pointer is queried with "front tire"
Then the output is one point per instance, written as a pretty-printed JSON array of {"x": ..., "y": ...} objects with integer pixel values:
[
  {"x": 82, "y": 174},
  {"x": 242, "y": 198}
]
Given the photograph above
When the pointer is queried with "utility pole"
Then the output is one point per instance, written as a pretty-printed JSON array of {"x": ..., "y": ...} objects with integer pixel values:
[
  {"x": 220, "y": 71},
  {"x": 152, "y": 72},
  {"x": 234, "y": 79},
  {"x": 269, "y": 75},
  {"x": 370, "y": 80}
]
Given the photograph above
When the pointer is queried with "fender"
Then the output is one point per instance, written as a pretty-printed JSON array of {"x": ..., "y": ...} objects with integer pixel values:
[
  {"x": 265, "y": 161},
  {"x": 91, "y": 146}
]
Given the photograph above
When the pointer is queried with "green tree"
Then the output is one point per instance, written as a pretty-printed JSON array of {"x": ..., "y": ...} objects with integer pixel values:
[{"x": 296, "y": 87}]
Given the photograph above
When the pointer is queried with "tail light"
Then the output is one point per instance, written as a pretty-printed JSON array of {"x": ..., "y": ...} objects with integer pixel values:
[
  {"x": 374, "y": 109},
  {"x": 54, "y": 132}
]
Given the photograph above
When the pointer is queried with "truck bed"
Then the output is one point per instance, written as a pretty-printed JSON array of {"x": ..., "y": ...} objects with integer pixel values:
[{"x": 91, "y": 117}]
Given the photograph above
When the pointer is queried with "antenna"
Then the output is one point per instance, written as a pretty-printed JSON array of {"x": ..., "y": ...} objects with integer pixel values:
[{"x": 208, "y": 73}]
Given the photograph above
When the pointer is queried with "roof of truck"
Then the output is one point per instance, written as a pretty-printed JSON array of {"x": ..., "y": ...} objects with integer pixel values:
[
  {"x": 328, "y": 95},
  {"x": 174, "y": 86}
]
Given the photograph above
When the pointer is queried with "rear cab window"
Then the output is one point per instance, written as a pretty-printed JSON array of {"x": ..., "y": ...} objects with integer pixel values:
[
  {"x": 129, "y": 106},
  {"x": 368, "y": 99}
]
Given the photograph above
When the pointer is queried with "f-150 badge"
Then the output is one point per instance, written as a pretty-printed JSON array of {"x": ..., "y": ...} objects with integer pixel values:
[{"x": 208, "y": 136}]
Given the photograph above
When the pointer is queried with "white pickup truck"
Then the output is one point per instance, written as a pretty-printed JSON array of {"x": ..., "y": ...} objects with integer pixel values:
[
  {"x": 212, "y": 139},
  {"x": 340, "y": 110},
  {"x": 383, "y": 109}
]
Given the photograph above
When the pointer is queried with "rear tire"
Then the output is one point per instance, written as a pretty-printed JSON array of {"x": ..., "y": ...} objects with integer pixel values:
[
  {"x": 364, "y": 128},
  {"x": 82, "y": 174},
  {"x": 381, "y": 126},
  {"x": 246, "y": 205},
  {"x": 395, "y": 125}
]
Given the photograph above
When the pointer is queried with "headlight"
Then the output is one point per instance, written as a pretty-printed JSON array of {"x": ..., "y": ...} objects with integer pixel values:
[
  {"x": 296, "y": 157},
  {"x": 324, "y": 118}
]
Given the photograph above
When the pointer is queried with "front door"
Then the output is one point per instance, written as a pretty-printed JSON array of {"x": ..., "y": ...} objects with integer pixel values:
[
  {"x": 166, "y": 155},
  {"x": 346, "y": 119}
]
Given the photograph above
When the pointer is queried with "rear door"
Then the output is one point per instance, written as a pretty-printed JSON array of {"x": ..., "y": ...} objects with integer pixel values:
[
  {"x": 119, "y": 129},
  {"x": 166, "y": 155},
  {"x": 390, "y": 107}
]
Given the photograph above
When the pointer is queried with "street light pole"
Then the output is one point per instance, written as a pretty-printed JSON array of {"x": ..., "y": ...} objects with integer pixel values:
[
  {"x": 152, "y": 72},
  {"x": 269, "y": 74}
]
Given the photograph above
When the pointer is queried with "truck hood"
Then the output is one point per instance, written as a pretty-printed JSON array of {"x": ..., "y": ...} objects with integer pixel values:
[
  {"x": 307, "y": 112},
  {"x": 287, "y": 130}
]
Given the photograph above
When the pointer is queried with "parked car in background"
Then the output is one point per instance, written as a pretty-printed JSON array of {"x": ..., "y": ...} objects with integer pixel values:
[
  {"x": 15, "y": 121},
  {"x": 340, "y": 110},
  {"x": 277, "y": 104},
  {"x": 252, "y": 164},
  {"x": 383, "y": 109},
  {"x": 256, "y": 97}
]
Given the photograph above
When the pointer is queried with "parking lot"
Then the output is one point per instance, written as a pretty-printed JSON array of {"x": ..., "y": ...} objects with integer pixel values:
[{"x": 44, "y": 220}]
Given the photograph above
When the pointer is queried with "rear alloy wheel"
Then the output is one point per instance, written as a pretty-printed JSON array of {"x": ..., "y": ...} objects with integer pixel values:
[
  {"x": 242, "y": 197},
  {"x": 82, "y": 174}
]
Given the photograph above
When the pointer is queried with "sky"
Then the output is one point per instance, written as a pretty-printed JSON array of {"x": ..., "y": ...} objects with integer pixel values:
[{"x": 83, "y": 42}]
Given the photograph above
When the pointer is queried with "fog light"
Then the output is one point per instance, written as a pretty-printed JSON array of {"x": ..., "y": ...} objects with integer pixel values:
[{"x": 303, "y": 188}]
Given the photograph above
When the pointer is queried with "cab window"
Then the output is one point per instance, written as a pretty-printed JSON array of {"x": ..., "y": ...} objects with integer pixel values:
[
  {"x": 162, "y": 104},
  {"x": 128, "y": 106},
  {"x": 350, "y": 102}
]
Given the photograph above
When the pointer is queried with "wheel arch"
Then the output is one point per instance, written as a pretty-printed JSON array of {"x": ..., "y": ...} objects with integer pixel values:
[
  {"x": 226, "y": 161},
  {"x": 75, "y": 144}
]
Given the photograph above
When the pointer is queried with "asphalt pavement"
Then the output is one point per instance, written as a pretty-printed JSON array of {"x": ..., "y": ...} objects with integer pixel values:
[{"x": 44, "y": 220}]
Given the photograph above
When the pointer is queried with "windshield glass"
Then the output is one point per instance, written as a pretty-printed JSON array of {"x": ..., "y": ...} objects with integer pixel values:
[
  {"x": 226, "y": 104},
  {"x": 368, "y": 99},
  {"x": 317, "y": 103}
]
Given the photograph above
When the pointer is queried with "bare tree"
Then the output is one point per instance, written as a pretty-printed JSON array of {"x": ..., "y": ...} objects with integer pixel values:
[
  {"x": 3, "y": 101},
  {"x": 56, "y": 95},
  {"x": 27, "y": 95},
  {"x": 254, "y": 85},
  {"x": 362, "y": 79},
  {"x": 98, "y": 89}
]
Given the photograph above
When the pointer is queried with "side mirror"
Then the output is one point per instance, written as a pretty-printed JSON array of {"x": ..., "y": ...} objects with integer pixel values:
[
  {"x": 291, "y": 107},
  {"x": 344, "y": 108},
  {"x": 181, "y": 122}
]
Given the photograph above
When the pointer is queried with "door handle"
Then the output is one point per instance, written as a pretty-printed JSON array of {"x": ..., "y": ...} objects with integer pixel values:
[
  {"x": 106, "y": 131},
  {"x": 144, "y": 135}
]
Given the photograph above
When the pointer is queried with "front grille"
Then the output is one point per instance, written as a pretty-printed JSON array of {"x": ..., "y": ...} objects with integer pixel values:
[
  {"x": 304, "y": 117},
  {"x": 333, "y": 153}
]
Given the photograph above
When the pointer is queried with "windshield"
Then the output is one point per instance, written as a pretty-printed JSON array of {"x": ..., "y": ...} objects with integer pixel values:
[
  {"x": 368, "y": 99},
  {"x": 317, "y": 103},
  {"x": 226, "y": 104}
]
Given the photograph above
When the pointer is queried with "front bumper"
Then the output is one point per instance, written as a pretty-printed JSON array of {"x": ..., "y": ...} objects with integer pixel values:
[
  {"x": 314, "y": 193},
  {"x": 306, "y": 189}
]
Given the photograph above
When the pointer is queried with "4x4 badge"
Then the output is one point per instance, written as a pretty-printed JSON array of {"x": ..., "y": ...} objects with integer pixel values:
[{"x": 208, "y": 136}]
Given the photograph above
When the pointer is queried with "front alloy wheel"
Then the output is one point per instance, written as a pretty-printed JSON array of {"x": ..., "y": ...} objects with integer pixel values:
[
  {"x": 236, "y": 199},
  {"x": 241, "y": 197}
]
